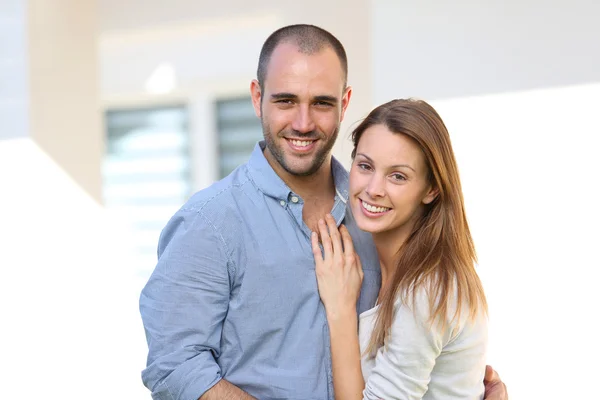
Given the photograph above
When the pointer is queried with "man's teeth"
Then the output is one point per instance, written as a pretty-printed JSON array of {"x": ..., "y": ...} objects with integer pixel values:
[
  {"x": 301, "y": 143},
  {"x": 373, "y": 208}
]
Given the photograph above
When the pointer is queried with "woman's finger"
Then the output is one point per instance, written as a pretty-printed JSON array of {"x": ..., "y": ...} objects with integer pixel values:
[
  {"x": 360, "y": 269},
  {"x": 335, "y": 236},
  {"x": 325, "y": 240},
  {"x": 347, "y": 240},
  {"x": 314, "y": 240},
  {"x": 351, "y": 256}
]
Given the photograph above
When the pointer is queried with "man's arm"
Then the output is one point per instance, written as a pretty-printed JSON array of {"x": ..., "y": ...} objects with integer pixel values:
[
  {"x": 183, "y": 306},
  {"x": 495, "y": 389},
  {"x": 224, "y": 390}
]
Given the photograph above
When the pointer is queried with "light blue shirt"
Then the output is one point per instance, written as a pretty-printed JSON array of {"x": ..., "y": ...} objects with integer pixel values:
[{"x": 234, "y": 294}]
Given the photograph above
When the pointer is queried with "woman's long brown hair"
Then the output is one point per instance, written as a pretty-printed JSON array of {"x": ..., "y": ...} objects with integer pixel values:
[{"x": 439, "y": 254}]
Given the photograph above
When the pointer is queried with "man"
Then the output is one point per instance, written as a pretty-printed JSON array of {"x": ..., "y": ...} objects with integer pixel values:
[{"x": 232, "y": 310}]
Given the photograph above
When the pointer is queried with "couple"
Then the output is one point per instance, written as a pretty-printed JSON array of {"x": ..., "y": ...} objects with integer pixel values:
[{"x": 233, "y": 309}]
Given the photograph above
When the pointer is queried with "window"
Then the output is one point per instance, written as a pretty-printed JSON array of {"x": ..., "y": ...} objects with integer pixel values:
[
  {"x": 238, "y": 131},
  {"x": 146, "y": 174}
]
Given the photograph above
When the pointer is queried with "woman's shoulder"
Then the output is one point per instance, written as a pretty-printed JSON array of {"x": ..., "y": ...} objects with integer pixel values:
[{"x": 422, "y": 302}]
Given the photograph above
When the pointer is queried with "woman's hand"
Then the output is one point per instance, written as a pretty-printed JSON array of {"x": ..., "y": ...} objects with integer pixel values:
[{"x": 338, "y": 269}]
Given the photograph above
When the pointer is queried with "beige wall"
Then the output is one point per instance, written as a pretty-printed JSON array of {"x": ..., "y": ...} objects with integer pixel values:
[{"x": 63, "y": 106}]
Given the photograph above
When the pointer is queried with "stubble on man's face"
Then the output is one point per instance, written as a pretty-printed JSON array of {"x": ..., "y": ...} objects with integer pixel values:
[{"x": 316, "y": 159}]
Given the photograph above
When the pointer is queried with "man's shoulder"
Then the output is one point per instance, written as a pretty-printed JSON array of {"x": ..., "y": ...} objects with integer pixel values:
[{"x": 219, "y": 195}]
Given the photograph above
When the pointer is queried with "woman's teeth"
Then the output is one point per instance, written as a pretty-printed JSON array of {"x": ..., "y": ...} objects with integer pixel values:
[{"x": 374, "y": 209}]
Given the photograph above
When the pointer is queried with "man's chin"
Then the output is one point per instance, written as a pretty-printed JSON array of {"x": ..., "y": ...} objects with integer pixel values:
[{"x": 301, "y": 170}]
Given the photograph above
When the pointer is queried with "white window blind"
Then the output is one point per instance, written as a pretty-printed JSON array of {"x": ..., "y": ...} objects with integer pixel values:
[
  {"x": 238, "y": 131},
  {"x": 146, "y": 174}
]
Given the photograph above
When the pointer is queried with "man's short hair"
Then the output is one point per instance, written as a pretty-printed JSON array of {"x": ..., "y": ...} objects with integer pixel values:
[{"x": 309, "y": 39}]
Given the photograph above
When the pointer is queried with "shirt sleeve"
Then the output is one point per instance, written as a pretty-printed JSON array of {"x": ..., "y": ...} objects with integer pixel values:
[
  {"x": 183, "y": 306},
  {"x": 403, "y": 368}
]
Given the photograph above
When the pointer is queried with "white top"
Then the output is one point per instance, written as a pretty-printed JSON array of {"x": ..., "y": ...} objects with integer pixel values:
[{"x": 419, "y": 362}]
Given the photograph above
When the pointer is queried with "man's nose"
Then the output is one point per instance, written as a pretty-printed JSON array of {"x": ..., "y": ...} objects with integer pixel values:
[{"x": 303, "y": 121}]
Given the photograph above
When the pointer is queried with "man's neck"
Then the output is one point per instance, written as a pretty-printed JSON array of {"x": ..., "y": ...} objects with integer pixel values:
[{"x": 318, "y": 185}]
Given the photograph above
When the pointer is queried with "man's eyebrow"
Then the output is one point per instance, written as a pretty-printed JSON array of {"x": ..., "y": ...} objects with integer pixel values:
[
  {"x": 391, "y": 167},
  {"x": 291, "y": 96},
  {"x": 283, "y": 96},
  {"x": 326, "y": 98}
]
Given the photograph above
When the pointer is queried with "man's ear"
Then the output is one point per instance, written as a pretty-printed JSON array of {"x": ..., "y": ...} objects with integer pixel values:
[
  {"x": 345, "y": 101},
  {"x": 256, "y": 94}
]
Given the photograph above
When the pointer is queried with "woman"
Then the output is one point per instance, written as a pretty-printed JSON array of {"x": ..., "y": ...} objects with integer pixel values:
[{"x": 426, "y": 337}]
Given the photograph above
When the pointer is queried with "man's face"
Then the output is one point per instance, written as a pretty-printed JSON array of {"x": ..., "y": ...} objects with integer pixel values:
[{"x": 301, "y": 106}]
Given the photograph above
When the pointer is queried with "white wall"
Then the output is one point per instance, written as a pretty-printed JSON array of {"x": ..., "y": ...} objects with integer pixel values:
[
  {"x": 438, "y": 49},
  {"x": 518, "y": 87},
  {"x": 528, "y": 183},
  {"x": 13, "y": 71}
]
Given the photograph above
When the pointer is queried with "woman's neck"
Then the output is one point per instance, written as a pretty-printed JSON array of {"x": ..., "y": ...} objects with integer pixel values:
[{"x": 389, "y": 246}]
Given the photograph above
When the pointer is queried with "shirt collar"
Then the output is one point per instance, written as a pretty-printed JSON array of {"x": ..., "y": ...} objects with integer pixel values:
[{"x": 268, "y": 182}]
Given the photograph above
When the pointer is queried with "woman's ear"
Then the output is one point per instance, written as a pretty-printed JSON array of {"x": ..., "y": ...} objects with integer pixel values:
[{"x": 431, "y": 195}]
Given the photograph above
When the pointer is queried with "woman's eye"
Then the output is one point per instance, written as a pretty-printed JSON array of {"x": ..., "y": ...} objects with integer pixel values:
[
  {"x": 365, "y": 167},
  {"x": 399, "y": 177}
]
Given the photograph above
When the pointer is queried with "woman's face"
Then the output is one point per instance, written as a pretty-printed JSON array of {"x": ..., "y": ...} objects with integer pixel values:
[{"x": 388, "y": 182}]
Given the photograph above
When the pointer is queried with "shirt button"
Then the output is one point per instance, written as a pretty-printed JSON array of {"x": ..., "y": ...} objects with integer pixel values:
[
  {"x": 294, "y": 199},
  {"x": 282, "y": 203}
]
